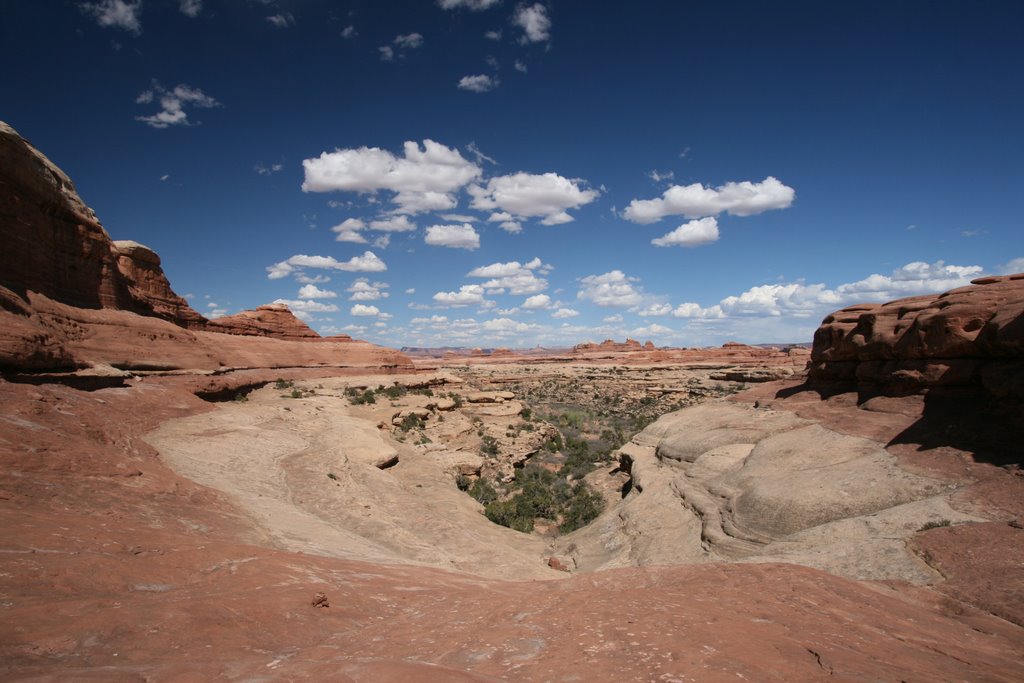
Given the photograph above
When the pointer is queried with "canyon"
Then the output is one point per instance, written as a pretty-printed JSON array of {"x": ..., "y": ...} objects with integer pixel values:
[{"x": 241, "y": 499}]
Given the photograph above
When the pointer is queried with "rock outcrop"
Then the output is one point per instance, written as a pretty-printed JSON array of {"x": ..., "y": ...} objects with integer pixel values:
[
  {"x": 71, "y": 298},
  {"x": 55, "y": 246},
  {"x": 270, "y": 320},
  {"x": 968, "y": 337}
]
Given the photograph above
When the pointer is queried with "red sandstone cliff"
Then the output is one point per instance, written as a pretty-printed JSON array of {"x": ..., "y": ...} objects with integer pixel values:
[{"x": 70, "y": 297}]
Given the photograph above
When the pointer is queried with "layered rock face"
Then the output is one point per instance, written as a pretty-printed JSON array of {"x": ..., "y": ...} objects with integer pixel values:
[
  {"x": 271, "y": 320},
  {"x": 55, "y": 245},
  {"x": 968, "y": 337},
  {"x": 72, "y": 298}
]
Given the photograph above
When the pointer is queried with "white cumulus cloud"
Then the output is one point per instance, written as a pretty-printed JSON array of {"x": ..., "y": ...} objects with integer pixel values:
[
  {"x": 692, "y": 234},
  {"x": 466, "y": 296},
  {"x": 613, "y": 288},
  {"x": 537, "y": 301},
  {"x": 515, "y": 277},
  {"x": 696, "y": 201},
  {"x": 400, "y": 223},
  {"x": 456, "y": 236},
  {"x": 1011, "y": 267},
  {"x": 368, "y": 263},
  {"x": 364, "y": 290},
  {"x": 565, "y": 313},
  {"x": 313, "y": 292},
  {"x": 527, "y": 195},
  {"x": 422, "y": 180},
  {"x": 348, "y": 231}
]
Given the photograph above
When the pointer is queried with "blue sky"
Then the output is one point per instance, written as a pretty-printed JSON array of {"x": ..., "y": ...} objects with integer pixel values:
[{"x": 495, "y": 173}]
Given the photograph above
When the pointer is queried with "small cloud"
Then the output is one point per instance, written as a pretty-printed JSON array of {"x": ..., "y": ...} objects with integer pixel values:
[
  {"x": 314, "y": 292},
  {"x": 520, "y": 66},
  {"x": 362, "y": 289},
  {"x": 537, "y": 301},
  {"x": 459, "y": 217},
  {"x": 349, "y": 32},
  {"x": 399, "y": 45},
  {"x": 480, "y": 156},
  {"x": 455, "y": 236},
  {"x": 525, "y": 195},
  {"x": 493, "y": 35},
  {"x": 692, "y": 234},
  {"x": 367, "y": 263},
  {"x": 123, "y": 14},
  {"x": 173, "y": 104},
  {"x": 972, "y": 233},
  {"x": 658, "y": 176},
  {"x": 408, "y": 42},
  {"x": 348, "y": 231},
  {"x": 191, "y": 8},
  {"x": 165, "y": 176},
  {"x": 613, "y": 288},
  {"x": 466, "y": 296},
  {"x": 479, "y": 83},
  {"x": 696, "y": 201},
  {"x": 268, "y": 170},
  {"x": 474, "y": 5},
  {"x": 534, "y": 21},
  {"x": 411, "y": 290},
  {"x": 565, "y": 313},
  {"x": 282, "y": 20}
]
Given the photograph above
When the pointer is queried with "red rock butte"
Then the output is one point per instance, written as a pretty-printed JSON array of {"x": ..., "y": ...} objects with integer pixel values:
[{"x": 861, "y": 521}]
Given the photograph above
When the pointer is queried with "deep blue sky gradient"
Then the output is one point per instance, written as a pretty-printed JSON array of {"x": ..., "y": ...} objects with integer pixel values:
[{"x": 881, "y": 116}]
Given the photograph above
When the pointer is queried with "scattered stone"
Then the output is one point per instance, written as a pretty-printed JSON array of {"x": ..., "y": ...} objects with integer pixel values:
[{"x": 320, "y": 601}]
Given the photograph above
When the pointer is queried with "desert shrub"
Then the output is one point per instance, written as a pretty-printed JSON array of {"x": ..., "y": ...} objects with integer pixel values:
[
  {"x": 483, "y": 492},
  {"x": 489, "y": 446},
  {"x": 506, "y": 513},
  {"x": 935, "y": 524},
  {"x": 411, "y": 421},
  {"x": 296, "y": 393},
  {"x": 358, "y": 398},
  {"x": 282, "y": 384},
  {"x": 583, "y": 508},
  {"x": 332, "y": 475},
  {"x": 394, "y": 392},
  {"x": 462, "y": 482},
  {"x": 240, "y": 398}
]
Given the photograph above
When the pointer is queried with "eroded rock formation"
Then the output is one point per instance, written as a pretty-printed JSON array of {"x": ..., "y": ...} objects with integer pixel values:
[
  {"x": 72, "y": 298},
  {"x": 968, "y": 337}
]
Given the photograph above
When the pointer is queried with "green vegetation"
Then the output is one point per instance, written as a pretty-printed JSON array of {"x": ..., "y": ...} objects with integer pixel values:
[
  {"x": 538, "y": 493},
  {"x": 282, "y": 384},
  {"x": 411, "y": 421},
  {"x": 296, "y": 393},
  {"x": 358, "y": 398}
]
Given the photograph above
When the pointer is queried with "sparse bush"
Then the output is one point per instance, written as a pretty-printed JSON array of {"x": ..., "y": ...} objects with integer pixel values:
[
  {"x": 935, "y": 524},
  {"x": 282, "y": 384},
  {"x": 483, "y": 492},
  {"x": 489, "y": 446},
  {"x": 332, "y": 475},
  {"x": 240, "y": 398},
  {"x": 296, "y": 393},
  {"x": 411, "y": 421}
]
